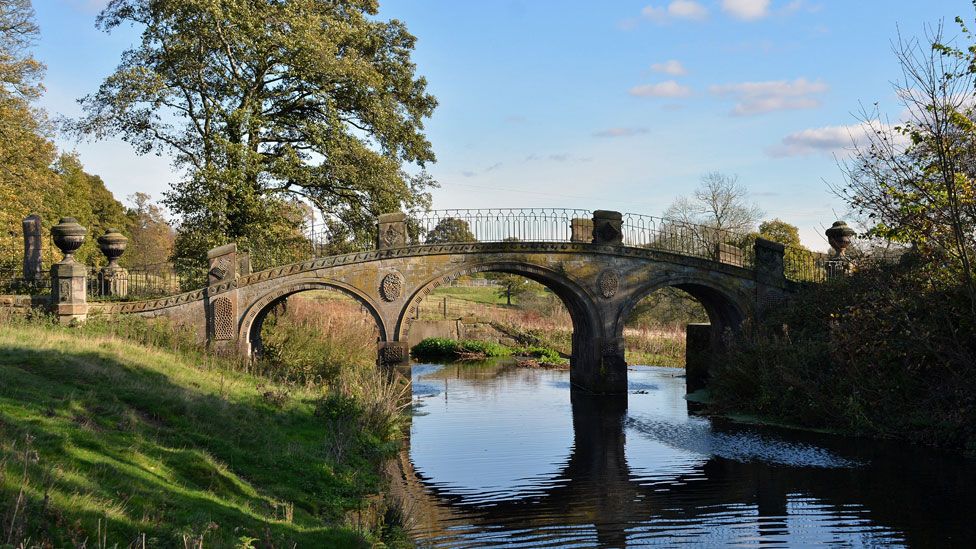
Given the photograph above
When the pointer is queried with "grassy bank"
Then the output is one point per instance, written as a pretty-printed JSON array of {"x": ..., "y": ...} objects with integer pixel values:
[{"x": 115, "y": 434}]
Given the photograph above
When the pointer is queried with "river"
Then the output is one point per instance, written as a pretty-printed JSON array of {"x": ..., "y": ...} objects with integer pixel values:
[{"x": 509, "y": 456}]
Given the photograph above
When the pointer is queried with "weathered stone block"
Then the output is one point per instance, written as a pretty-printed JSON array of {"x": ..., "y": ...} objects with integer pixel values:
[
  {"x": 607, "y": 227},
  {"x": 391, "y": 231},
  {"x": 222, "y": 262},
  {"x": 770, "y": 262}
]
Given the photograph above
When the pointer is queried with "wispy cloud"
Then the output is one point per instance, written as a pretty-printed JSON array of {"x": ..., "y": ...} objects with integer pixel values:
[
  {"x": 668, "y": 88},
  {"x": 620, "y": 132},
  {"x": 676, "y": 9},
  {"x": 831, "y": 140},
  {"x": 671, "y": 66},
  {"x": 778, "y": 95},
  {"x": 746, "y": 10}
]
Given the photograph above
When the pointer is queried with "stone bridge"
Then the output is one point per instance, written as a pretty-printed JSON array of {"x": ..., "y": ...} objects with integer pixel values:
[{"x": 598, "y": 278}]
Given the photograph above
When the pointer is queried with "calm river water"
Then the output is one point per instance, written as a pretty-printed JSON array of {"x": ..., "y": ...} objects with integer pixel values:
[{"x": 507, "y": 456}]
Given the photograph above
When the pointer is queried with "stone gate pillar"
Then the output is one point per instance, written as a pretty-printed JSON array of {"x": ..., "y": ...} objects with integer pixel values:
[
  {"x": 69, "y": 278},
  {"x": 221, "y": 301},
  {"x": 32, "y": 247},
  {"x": 391, "y": 231},
  {"x": 607, "y": 227}
]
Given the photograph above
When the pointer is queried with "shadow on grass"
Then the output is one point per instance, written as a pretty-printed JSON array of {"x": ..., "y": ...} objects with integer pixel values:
[{"x": 126, "y": 444}]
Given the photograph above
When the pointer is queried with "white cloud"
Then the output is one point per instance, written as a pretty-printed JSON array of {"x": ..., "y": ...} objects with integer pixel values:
[
  {"x": 747, "y": 10},
  {"x": 668, "y": 88},
  {"x": 777, "y": 95},
  {"x": 676, "y": 9},
  {"x": 620, "y": 132},
  {"x": 832, "y": 140},
  {"x": 672, "y": 67}
]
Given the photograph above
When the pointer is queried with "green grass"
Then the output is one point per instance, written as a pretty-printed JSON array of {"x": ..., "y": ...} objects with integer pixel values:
[{"x": 103, "y": 437}]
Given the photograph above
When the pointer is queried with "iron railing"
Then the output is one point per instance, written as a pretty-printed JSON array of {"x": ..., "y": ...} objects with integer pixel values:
[
  {"x": 682, "y": 238},
  {"x": 143, "y": 282},
  {"x": 495, "y": 225},
  {"x": 13, "y": 279},
  {"x": 800, "y": 265}
]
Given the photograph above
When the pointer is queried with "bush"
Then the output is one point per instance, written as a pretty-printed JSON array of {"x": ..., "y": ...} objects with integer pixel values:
[
  {"x": 885, "y": 352},
  {"x": 442, "y": 348}
]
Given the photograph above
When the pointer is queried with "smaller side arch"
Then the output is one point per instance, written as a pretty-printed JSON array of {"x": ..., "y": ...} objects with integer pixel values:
[
  {"x": 252, "y": 318},
  {"x": 726, "y": 306}
]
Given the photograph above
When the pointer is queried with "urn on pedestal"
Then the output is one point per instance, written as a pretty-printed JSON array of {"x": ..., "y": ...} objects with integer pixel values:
[
  {"x": 68, "y": 277},
  {"x": 113, "y": 280}
]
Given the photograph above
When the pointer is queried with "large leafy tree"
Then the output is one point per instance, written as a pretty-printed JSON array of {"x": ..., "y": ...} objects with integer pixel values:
[{"x": 263, "y": 101}]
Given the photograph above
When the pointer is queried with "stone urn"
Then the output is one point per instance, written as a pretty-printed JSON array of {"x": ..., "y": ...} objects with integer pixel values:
[
  {"x": 112, "y": 244},
  {"x": 68, "y": 237},
  {"x": 839, "y": 236}
]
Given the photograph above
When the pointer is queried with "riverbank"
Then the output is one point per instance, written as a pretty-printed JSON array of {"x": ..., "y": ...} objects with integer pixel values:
[{"x": 123, "y": 433}]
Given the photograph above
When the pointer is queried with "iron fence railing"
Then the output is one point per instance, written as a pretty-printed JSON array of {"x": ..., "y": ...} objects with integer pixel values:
[
  {"x": 495, "y": 225},
  {"x": 682, "y": 238},
  {"x": 800, "y": 265}
]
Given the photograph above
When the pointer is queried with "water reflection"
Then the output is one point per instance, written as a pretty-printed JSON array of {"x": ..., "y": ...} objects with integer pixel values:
[{"x": 510, "y": 456}]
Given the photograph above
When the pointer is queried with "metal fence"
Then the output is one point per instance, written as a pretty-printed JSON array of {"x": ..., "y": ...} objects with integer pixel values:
[
  {"x": 495, "y": 225},
  {"x": 678, "y": 237},
  {"x": 801, "y": 265},
  {"x": 143, "y": 282},
  {"x": 13, "y": 279}
]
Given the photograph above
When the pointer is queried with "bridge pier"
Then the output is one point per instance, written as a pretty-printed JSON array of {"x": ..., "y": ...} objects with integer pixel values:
[{"x": 597, "y": 365}]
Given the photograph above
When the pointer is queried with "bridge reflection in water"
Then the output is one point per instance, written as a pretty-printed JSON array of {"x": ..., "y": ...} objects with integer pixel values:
[{"x": 486, "y": 467}]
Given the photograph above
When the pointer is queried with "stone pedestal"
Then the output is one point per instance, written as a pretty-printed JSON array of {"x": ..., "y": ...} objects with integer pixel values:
[
  {"x": 769, "y": 262},
  {"x": 32, "y": 248},
  {"x": 698, "y": 355},
  {"x": 113, "y": 281},
  {"x": 391, "y": 231},
  {"x": 69, "y": 300},
  {"x": 607, "y": 227},
  {"x": 68, "y": 292},
  {"x": 581, "y": 230}
]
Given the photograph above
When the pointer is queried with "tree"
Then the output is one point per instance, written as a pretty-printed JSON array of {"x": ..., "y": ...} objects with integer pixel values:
[
  {"x": 450, "y": 229},
  {"x": 262, "y": 101},
  {"x": 720, "y": 202},
  {"x": 914, "y": 182},
  {"x": 25, "y": 151},
  {"x": 151, "y": 237}
]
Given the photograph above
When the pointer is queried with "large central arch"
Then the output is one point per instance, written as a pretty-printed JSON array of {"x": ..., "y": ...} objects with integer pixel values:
[{"x": 584, "y": 313}]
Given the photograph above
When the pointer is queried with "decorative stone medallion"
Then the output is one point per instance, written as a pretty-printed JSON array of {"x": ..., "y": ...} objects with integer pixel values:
[
  {"x": 609, "y": 281},
  {"x": 392, "y": 286}
]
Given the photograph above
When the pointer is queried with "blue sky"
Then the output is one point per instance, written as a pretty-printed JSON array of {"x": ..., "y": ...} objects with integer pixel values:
[{"x": 617, "y": 105}]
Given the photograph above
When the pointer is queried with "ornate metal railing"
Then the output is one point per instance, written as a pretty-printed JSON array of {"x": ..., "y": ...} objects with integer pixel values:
[
  {"x": 682, "y": 238},
  {"x": 141, "y": 282},
  {"x": 495, "y": 225}
]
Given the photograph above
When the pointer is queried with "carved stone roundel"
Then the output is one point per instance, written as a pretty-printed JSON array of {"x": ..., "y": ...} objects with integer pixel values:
[
  {"x": 392, "y": 286},
  {"x": 608, "y": 283}
]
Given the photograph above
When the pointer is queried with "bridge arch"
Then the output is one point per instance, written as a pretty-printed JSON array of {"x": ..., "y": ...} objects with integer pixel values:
[
  {"x": 588, "y": 322},
  {"x": 255, "y": 313},
  {"x": 727, "y": 307}
]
